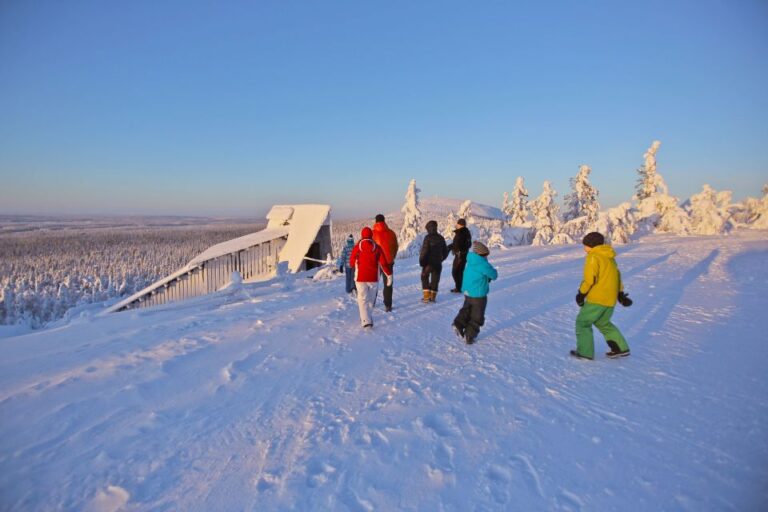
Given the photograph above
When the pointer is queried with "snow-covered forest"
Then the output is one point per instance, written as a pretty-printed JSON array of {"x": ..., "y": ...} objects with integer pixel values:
[{"x": 46, "y": 270}]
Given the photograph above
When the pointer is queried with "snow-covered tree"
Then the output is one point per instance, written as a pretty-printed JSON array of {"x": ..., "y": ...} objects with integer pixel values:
[
  {"x": 409, "y": 233},
  {"x": 617, "y": 224},
  {"x": 707, "y": 216},
  {"x": 545, "y": 218},
  {"x": 657, "y": 211},
  {"x": 449, "y": 225},
  {"x": 518, "y": 205},
  {"x": 505, "y": 207},
  {"x": 582, "y": 201},
  {"x": 465, "y": 211},
  {"x": 650, "y": 182},
  {"x": 752, "y": 212}
]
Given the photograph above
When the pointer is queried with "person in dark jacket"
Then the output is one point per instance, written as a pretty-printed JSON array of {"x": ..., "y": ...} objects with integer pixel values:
[
  {"x": 462, "y": 243},
  {"x": 477, "y": 277},
  {"x": 433, "y": 253}
]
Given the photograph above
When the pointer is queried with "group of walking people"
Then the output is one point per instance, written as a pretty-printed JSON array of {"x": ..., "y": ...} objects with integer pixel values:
[{"x": 372, "y": 258}]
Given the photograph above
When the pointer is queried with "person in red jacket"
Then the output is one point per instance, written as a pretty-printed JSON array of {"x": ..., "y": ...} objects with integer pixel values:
[
  {"x": 367, "y": 258},
  {"x": 387, "y": 240}
]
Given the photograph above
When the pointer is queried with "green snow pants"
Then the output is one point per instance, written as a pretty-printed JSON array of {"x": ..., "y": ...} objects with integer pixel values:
[{"x": 600, "y": 317}]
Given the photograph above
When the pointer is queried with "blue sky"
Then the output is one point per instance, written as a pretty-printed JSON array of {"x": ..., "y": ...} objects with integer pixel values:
[{"x": 224, "y": 108}]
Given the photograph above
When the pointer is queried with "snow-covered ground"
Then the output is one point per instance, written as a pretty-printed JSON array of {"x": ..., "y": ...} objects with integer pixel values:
[{"x": 271, "y": 397}]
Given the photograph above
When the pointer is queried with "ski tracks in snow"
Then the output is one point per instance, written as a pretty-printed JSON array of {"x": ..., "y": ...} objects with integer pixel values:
[{"x": 273, "y": 398}]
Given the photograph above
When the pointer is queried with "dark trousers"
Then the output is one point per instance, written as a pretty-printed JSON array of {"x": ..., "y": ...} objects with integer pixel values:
[
  {"x": 471, "y": 317},
  {"x": 459, "y": 262},
  {"x": 349, "y": 274},
  {"x": 430, "y": 277},
  {"x": 387, "y": 290}
]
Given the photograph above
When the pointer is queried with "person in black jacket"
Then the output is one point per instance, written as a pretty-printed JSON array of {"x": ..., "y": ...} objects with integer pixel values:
[
  {"x": 433, "y": 253},
  {"x": 462, "y": 243}
]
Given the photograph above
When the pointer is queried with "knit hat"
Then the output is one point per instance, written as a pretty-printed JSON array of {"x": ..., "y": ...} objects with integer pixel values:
[
  {"x": 366, "y": 233},
  {"x": 593, "y": 239},
  {"x": 379, "y": 218},
  {"x": 461, "y": 222},
  {"x": 480, "y": 248},
  {"x": 350, "y": 240}
]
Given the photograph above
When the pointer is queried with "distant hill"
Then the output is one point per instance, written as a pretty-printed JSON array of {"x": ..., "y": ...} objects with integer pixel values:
[{"x": 438, "y": 208}]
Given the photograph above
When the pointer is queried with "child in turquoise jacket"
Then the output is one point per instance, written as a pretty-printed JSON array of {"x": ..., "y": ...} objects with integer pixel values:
[{"x": 475, "y": 285}]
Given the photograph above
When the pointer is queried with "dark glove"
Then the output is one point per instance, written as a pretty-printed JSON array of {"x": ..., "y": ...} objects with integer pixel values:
[
  {"x": 624, "y": 299},
  {"x": 341, "y": 269},
  {"x": 580, "y": 299}
]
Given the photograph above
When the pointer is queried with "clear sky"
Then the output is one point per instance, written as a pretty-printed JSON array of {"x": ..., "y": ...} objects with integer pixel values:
[{"x": 224, "y": 108}]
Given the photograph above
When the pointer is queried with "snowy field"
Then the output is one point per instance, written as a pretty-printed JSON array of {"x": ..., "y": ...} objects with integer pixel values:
[{"x": 271, "y": 398}]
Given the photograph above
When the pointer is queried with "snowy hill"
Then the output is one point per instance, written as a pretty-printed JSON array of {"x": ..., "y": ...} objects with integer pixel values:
[
  {"x": 439, "y": 208},
  {"x": 270, "y": 397}
]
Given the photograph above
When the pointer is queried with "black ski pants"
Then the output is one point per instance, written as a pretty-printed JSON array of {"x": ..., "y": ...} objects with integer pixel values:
[
  {"x": 459, "y": 262},
  {"x": 430, "y": 277},
  {"x": 471, "y": 316},
  {"x": 387, "y": 290}
]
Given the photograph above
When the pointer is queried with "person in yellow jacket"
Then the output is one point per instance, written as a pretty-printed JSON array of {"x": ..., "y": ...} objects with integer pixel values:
[{"x": 598, "y": 294}]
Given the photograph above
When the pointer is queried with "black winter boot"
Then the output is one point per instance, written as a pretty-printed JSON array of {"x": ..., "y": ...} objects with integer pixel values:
[{"x": 615, "y": 350}]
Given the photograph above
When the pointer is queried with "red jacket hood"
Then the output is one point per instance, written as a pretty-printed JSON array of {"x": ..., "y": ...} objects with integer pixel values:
[{"x": 366, "y": 233}]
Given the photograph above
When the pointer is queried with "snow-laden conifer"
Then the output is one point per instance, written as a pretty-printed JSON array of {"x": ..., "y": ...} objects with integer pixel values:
[
  {"x": 582, "y": 201},
  {"x": 708, "y": 216},
  {"x": 518, "y": 204},
  {"x": 410, "y": 232},
  {"x": 545, "y": 218},
  {"x": 657, "y": 211}
]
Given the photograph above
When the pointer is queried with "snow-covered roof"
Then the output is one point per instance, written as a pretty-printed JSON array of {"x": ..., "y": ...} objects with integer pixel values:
[
  {"x": 238, "y": 244},
  {"x": 304, "y": 221}
]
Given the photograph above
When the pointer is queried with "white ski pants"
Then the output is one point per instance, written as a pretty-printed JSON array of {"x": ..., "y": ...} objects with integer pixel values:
[{"x": 366, "y": 298}]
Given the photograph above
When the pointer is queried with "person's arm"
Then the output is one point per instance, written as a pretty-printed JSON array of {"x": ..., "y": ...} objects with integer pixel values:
[
  {"x": 354, "y": 257},
  {"x": 489, "y": 271},
  {"x": 395, "y": 245},
  {"x": 590, "y": 275},
  {"x": 445, "y": 249},
  {"x": 383, "y": 263},
  {"x": 424, "y": 253}
]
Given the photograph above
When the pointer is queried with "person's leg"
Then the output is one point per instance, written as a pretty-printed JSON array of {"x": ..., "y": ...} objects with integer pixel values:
[
  {"x": 462, "y": 266},
  {"x": 350, "y": 275},
  {"x": 610, "y": 331},
  {"x": 425, "y": 273},
  {"x": 435, "y": 278},
  {"x": 463, "y": 316},
  {"x": 476, "y": 318},
  {"x": 585, "y": 341},
  {"x": 365, "y": 316},
  {"x": 386, "y": 292},
  {"x": 456, "y": 271},
  {"x": 371, "y": 290}
]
